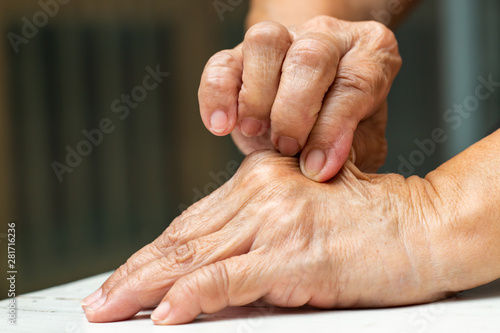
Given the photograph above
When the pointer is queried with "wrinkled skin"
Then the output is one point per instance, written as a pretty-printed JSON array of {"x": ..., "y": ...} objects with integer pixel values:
[
  {"x": 320, "y": 86},
  {"x": 355, "y": 241}
]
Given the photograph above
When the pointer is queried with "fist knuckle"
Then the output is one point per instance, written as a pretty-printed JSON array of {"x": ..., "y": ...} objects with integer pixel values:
[
  {"x": 324, "y": 21},
  {"x": 214, "y": 79},
  {"x": 382, "y": 37},
  {"x": 361, "y": 81},
  {"x": 382, "y": 44},
  {"x": 390, "y": 37},
  {"x": 224, "y": 58},
  {"x": 378, "y": 30},
  {"x": 268, "y": 34},
  {"x": 314, "y": 53}
]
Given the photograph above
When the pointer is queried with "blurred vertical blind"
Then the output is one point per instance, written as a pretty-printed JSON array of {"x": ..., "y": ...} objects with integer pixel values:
[
  {"x": 65, "y": 81},
  {"x": 470, "y": 39},
  {"x": 445, "y": 45}
]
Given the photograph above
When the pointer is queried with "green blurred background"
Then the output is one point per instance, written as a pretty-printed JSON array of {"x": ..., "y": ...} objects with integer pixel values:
[{"x": 160, "y": 158}]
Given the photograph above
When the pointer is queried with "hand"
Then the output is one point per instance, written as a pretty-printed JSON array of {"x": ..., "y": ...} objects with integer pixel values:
[
  {"x": 356, "y": 241},
  {"x": 318, "y": 88}
]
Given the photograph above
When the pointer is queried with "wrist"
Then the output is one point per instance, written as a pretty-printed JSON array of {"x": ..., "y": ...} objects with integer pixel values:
[
  {"x": 296, "y": 12},
  {"x": 412, "y": 203},
  {"x": 468, "y": 236},
  {"x": 468, "y": 187},
  {"x": 450, "y": 220}
]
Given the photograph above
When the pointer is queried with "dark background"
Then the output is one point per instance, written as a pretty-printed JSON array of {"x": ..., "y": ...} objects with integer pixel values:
[{"x": 160, "y": 157}]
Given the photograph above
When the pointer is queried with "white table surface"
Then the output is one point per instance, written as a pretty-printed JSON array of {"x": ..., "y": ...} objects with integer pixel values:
[{"x": 58, "y": 310}]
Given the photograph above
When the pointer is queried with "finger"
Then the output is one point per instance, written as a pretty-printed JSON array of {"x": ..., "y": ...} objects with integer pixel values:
[
  {"x": 219, "y": 88},
  {"x": 331, "y": 137},
  {"x": 200, "y": 219},
  {"x": 264, "y": 48},
  {"x": 308, "y": 71},
  {"x": 146, "y": 286},
  {"x": 248, "y": 145},
  {"x": 231, "y": 282},
  {"x": 362, "y": 83}
]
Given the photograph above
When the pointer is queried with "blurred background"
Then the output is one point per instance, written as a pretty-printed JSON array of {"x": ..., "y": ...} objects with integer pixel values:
[{"x": 62, "y": 75}]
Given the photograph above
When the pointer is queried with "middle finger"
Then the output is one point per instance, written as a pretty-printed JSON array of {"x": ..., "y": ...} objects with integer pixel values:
[
  {"x": 146, "y": 286},
  {"x": 264, "y": 50}
]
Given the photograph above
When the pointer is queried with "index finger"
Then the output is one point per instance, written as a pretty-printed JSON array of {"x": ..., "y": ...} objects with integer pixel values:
[
  {"x": 308, "y": 71},
  {"x": 146, "y": 286},
  {"x": 219, "y": 90},
  {"x": 200, "y": 219}
]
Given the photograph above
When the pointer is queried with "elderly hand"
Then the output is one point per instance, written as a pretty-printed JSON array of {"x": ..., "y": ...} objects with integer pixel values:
[
  {"x": 356, "y": 241},
  {"x": 318, "y": 88}
]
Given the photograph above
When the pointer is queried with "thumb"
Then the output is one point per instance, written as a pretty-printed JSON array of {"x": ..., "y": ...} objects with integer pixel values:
[
  {"x": 332, "y": 135},
  {"x": 232, "y": 282}
]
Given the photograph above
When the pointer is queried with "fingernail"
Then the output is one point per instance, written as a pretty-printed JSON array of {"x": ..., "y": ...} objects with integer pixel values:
[
  {"x": 288, "y": 146},
  {"x": 219, "y": 121},
  {"x": 315, "y": 161},
  {"x": 92, "y": 298},
  {"x": 250, "y": 127},
  {"x": 161, "y": 312},
  {"x": 97, "y": 304}
]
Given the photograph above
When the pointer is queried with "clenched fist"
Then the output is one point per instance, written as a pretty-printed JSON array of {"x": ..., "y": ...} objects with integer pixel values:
[{"x": 318, "y": 89}]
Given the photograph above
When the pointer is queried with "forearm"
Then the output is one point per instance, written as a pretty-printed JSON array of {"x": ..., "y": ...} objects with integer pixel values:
[
  {"x": 466, "y": 190},
  {"x": 294, "y": 12}
]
